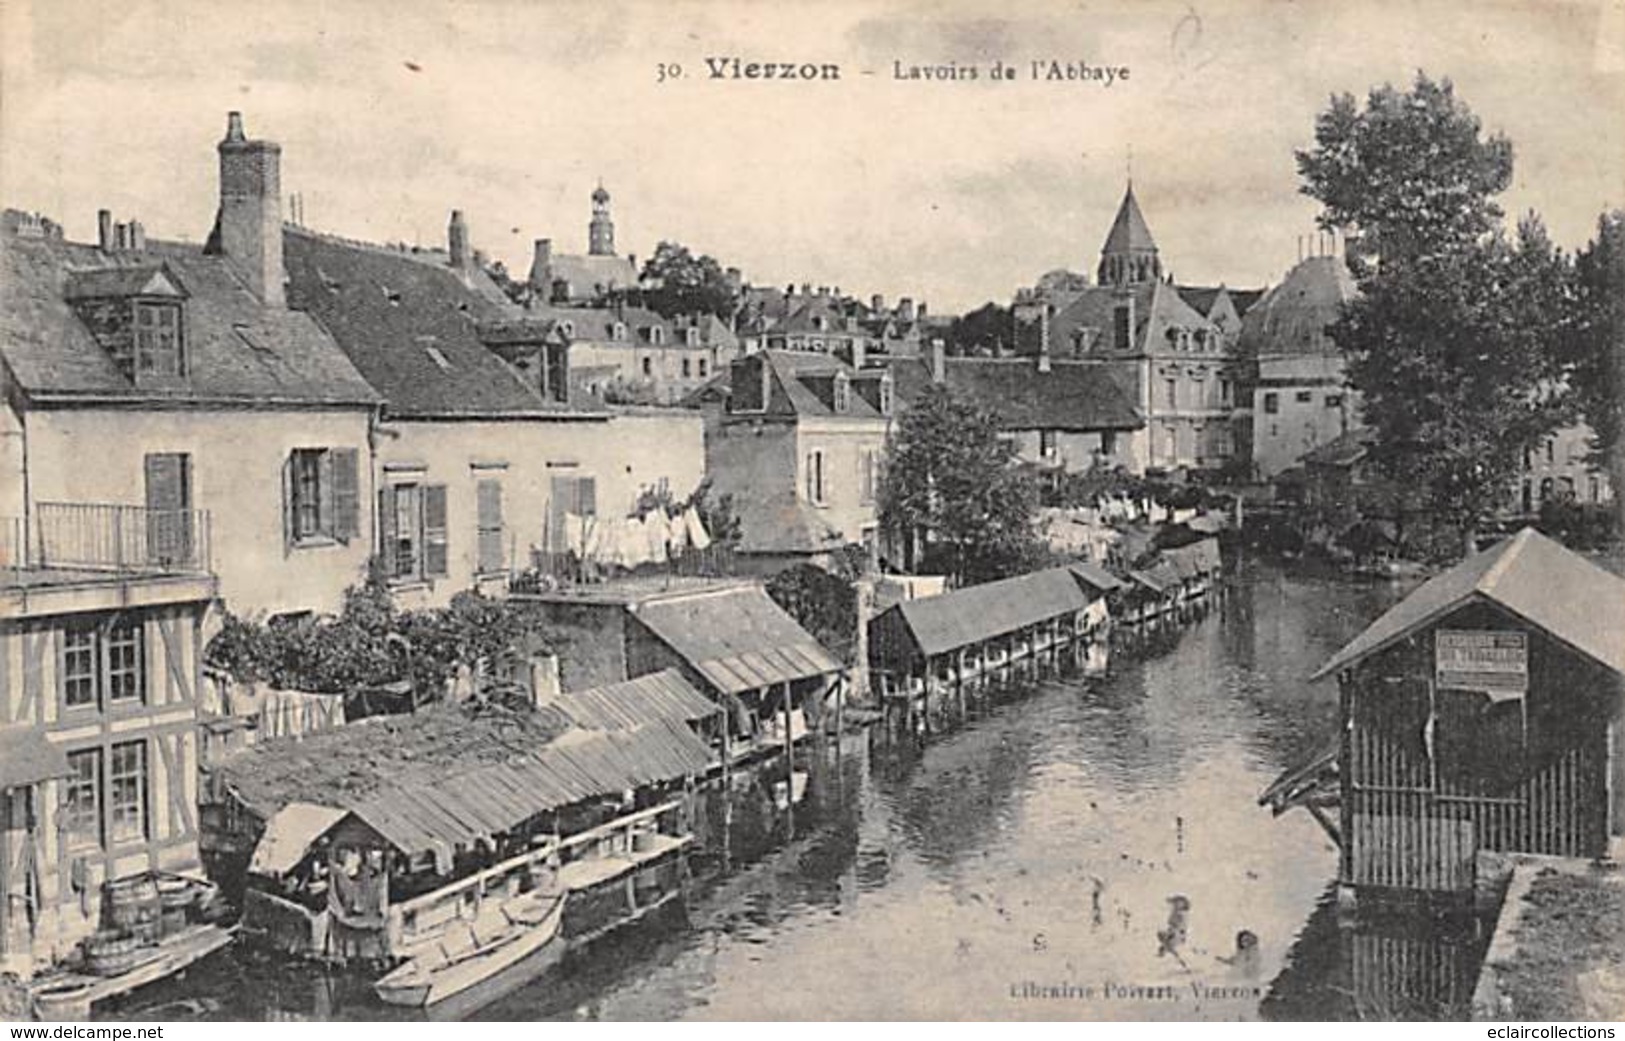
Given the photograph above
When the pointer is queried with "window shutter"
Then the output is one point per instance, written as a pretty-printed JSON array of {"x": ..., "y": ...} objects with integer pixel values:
[
  {"x": 434, "y": 530},
  {"x": 386, "y": 530},
  {"x": 346, "y": 494},
  {"x": 287, "y": 505},
  {"x": 324, "y": 495},
  {"x": 488, "y": 496},
  {"x": 587, "y": 496}
]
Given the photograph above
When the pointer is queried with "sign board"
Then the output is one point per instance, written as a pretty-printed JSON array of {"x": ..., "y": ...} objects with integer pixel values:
[{"x": 1494, "y": 662}]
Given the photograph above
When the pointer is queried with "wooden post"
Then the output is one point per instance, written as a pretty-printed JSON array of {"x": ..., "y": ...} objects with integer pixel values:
[{"x": 789, "y": 765}]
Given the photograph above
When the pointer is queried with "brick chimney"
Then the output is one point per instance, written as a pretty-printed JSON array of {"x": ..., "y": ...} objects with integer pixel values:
[
  {"x": 1043, "y": 338},
  {"x": 138, "y": 236},
  {"x": 457, "y": 241},
  {"x": 939, "y": 359},
  {"x": 541, "y": 265},
  {"x": 248, "y": 226},
  {"x": 877, "y": 304},
  {"x": 104, "y": 230},
  {"x": 905, "y": 309}
]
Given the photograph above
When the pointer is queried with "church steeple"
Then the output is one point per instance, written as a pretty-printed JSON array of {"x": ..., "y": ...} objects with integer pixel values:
[
  {"x": 1129, "y": 256},
  {"x": 601, "y": 231}
]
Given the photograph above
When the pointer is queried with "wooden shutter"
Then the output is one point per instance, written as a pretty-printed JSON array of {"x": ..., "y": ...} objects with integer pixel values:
[
  {"x": 324, "y": 494},
  {"x": 488, "y": 496},
  {"x": 587, "y": 496},
  {"x": 434, "y": 530},
  {"x": 288, "y": 525},
  {"x": 346, "y": 494},
  {"x": 386, "y": 531}
]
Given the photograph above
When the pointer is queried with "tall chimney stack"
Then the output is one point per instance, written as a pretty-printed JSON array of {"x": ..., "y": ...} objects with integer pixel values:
[
  {"x": 104, "y": 230},
  {"x": 905, "y": 309},
  {"x": 457, "y": 241},
  {"x": 541, "y": 265},
  {"x": 939, "y": 361},
  {"x": 248, "y": 227}
]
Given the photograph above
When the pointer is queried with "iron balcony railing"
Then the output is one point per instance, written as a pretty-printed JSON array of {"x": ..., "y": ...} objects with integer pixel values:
[{"x": 76, "y": 536}]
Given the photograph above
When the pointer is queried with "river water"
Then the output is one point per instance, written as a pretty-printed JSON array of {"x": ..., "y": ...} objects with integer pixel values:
[{"x": 1089, "y": 849}]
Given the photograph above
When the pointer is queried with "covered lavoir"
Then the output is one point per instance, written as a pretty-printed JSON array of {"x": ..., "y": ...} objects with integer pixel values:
[
  {"x": 1481, "y": 713},
  {"x": 454, "y": 843}
]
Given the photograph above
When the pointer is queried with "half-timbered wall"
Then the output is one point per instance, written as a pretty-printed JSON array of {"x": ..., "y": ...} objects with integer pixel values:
[{"x": 159, "y": 727}]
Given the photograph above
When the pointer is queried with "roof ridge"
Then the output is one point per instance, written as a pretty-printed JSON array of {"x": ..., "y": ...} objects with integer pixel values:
[{"x": 1513, "y": 547}]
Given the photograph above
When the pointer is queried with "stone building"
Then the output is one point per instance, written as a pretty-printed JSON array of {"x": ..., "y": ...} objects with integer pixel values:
[{"x": 583, "y": 278}]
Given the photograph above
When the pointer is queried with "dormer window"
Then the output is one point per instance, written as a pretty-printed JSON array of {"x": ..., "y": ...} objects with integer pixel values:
[
  {"x": 691, "y": 336},
  {"x": 843, "y": 392},
  {"x": 568, "y": 328},
  {"x": 159, "y": 347},
  {"x": 820, "y": 322},
  {"x": 886, "y": 394},
  {"x": 657, "y": 335},
  {"x": 617, "y": 331}
]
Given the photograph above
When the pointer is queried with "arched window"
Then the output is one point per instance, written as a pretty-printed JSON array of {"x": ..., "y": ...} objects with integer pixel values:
[{"x": 657, "y": 335}]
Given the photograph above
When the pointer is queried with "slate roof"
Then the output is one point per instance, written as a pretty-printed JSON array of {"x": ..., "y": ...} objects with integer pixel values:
[
  {"x": 411, "y": 325},
  {"x": 802, "y": 383},
  {"x": 1129, "y": 229},
  {"x": 588, "y": 274},
  {"x": 1072, "y": 396},
  {"x": 1546, "y": 585},
  {"x": 737, "y": 638},
  {"x": 963, "y": 617},
  {"x": 1292, "y": 317},
  {"x": 238, "y": 351},
  {"x": 1343, "y": 450},
  {"x": 1157, "y": 306}
]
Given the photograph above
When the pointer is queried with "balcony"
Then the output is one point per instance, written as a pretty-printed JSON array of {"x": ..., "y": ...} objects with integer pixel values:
[{"x": 89, "y": 546}]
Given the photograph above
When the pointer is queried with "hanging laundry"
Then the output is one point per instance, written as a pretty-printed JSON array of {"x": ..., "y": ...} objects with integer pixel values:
[
  {"x": 695, "y": 529},
  {"x": 654, "y": 533}
]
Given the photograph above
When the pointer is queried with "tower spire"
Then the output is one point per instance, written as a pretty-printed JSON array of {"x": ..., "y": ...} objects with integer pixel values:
[{"x": 1129, "y": 256}]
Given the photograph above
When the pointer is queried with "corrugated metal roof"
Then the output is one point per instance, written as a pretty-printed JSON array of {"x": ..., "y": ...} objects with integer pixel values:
[
  {"x": 28, "y": 757},
  {"x": 621, "y": 706},
  {"x": 1536, "y": 579},
  {"x": 737, "y": 638},
  {"x": 968, "y": 616}
]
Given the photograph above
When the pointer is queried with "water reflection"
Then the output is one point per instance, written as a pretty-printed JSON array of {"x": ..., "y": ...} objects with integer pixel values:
[{"x": 1091, "y": 849}]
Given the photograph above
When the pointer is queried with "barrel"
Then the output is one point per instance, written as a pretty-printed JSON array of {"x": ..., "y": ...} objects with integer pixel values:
[{"x": 133, "y": 908}]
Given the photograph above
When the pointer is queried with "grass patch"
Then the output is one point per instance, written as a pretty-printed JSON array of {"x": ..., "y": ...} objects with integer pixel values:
[{"x": 1571, "y": 925}]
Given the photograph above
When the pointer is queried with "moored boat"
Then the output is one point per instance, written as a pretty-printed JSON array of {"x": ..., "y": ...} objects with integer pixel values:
[{"x": 462, "y": 960}]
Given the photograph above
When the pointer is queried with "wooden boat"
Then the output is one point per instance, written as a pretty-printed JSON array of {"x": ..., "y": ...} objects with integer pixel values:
[
  {"x": 478, "y": 963},
  {"x": 532, "y": 923}
]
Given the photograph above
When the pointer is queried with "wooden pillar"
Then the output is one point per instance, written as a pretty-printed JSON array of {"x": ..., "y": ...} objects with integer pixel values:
[{"x": 789, "y": 766}]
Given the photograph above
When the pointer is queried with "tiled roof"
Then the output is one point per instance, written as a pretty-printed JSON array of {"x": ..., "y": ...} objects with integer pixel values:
[
  {"x": 1343, "y": 450},
  {"x": 238, "y": 351},
  {"x": 412, "y": 326},
  {"x": 1551, "y": 588},
  {"x": 1157, "y": 307},
  {"x": 1072, "y": 396}
]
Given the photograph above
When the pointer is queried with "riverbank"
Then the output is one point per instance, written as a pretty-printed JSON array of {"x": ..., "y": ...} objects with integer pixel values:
[{"x": 1558, "y": 952}]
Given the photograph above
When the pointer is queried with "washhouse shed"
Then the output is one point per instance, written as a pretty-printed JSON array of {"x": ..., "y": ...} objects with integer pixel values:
[{"x": 1483, "y": 712}]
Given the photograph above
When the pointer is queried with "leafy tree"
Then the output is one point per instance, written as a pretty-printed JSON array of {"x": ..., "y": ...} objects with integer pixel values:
[
  {"x": 824, "y": 604},
  {"x": 1455, "y": 339},
  {"x": 950, "y": 485},
  {"x": 1597, "y": 377},
  {"x": 983, "y": 330},
  {"x": 678, "y": 282}
]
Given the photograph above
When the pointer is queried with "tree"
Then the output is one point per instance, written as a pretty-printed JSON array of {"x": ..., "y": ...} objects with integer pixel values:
[
  {"x": 680, "y": 283},
  {"x": 949, "y": 482},
  {"x": 982, "y": 331},
  {"x": 1597, "y": 376},
  {"x": 1455, "y": 341}
]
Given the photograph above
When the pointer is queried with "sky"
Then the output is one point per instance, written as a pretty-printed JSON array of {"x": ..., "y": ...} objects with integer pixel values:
[{"x": 393, "y": 112}]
